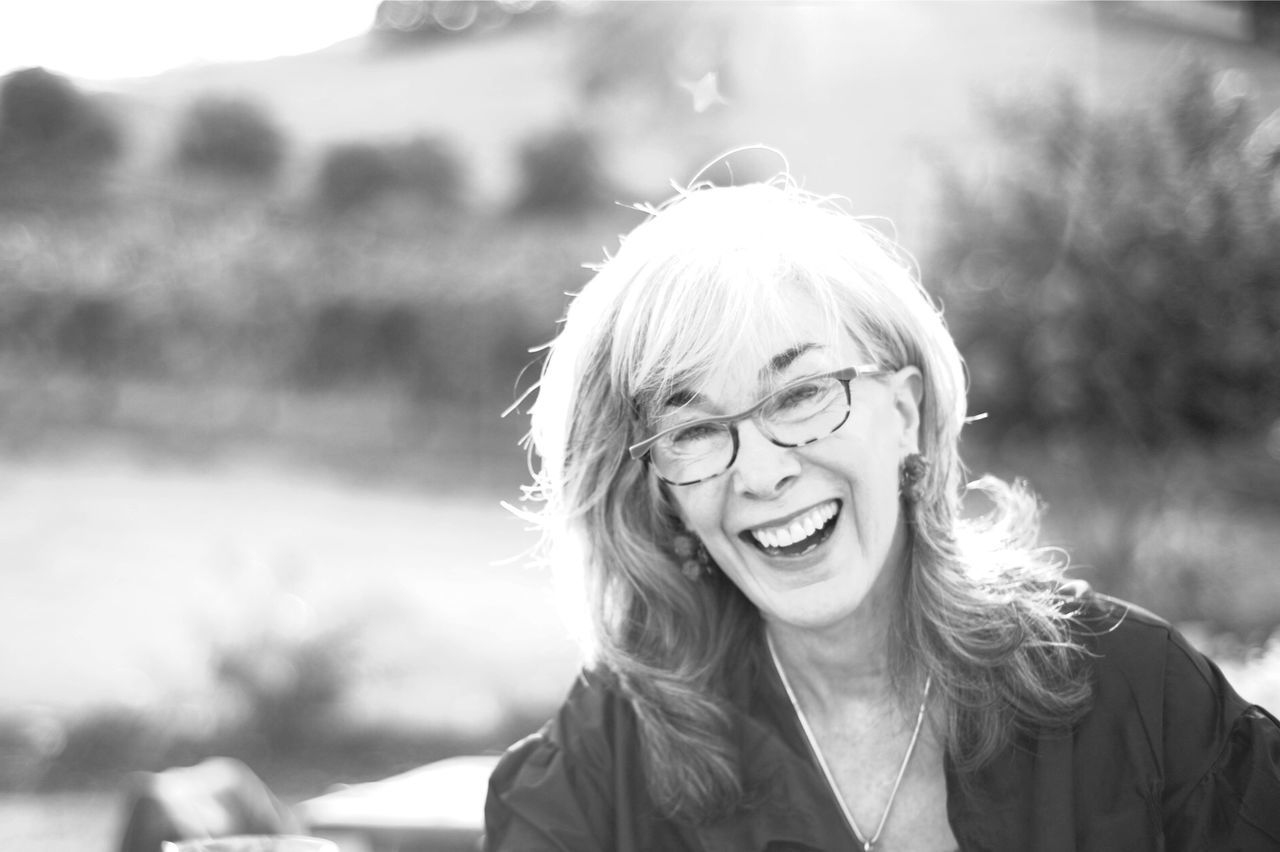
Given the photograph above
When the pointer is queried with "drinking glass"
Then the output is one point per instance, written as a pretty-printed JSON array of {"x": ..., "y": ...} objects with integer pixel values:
[{"x": 254, "y": 843}]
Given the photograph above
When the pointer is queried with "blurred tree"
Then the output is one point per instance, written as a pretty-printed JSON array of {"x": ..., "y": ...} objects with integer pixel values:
[
  {"x": 561, "y": 173},
  {"x": 359, "y": 174},
  {"x": 354, "y": 175},
  {"x": 1120, "y": 274},
  {"x": 1262, "y": 17},
  {"x": 230, "y": 137},
  {"x": 51, "y": 132}
]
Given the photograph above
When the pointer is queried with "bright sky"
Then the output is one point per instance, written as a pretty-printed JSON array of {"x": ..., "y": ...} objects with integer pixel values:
[{"x": 99, "y": 40}]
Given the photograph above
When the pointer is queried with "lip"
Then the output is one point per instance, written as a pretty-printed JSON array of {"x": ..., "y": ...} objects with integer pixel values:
[{"x": 794, "y": 560}]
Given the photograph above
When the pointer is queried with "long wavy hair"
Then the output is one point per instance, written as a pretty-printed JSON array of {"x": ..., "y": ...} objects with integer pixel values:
[{"x": 685, "y": 295}]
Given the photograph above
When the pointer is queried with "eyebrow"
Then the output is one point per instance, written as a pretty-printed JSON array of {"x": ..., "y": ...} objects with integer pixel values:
[
  {"x": 777, "y": 364},
  {"x": 785, "y": 359}
]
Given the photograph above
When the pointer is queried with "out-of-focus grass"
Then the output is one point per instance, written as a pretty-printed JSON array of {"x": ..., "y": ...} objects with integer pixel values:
[
  {"x": 132, "y": 589},
  {"x": 60, "y": 822}
]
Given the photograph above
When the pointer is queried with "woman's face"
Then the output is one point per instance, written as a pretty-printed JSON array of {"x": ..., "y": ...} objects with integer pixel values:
[{"x": 806, "y": 532}]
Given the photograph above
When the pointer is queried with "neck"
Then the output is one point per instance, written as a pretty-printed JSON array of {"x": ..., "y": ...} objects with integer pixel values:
[
  {"x": 835, "y": 665},
  {"x": 847, "y": 661}
]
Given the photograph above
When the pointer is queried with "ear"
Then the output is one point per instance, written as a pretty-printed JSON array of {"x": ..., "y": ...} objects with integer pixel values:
[{"x": 907, "y": 387}]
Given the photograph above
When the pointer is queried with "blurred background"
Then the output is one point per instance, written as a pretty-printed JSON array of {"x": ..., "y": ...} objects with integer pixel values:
[{"x": 270, "y": 276}]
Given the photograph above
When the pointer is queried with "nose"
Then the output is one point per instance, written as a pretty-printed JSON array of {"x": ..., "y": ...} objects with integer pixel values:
[{"x": 762, "y": 468}]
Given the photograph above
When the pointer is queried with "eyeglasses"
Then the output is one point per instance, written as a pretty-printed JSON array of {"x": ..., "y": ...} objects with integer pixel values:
[{"x": 798, "y": 414}]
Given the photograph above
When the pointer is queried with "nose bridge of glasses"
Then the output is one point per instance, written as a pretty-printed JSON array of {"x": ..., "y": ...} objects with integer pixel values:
[
  {"x": 759, "y": 418},
  {"x": 757, "y": 451}
]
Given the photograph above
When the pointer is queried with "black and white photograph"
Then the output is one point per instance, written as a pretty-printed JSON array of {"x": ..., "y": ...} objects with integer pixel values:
[{"x": 639, "y": 426}]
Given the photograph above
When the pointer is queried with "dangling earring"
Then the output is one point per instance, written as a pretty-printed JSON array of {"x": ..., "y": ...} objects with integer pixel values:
[
  {"x": 911, "y": 475},
  {"x": 694, "y": 559}
]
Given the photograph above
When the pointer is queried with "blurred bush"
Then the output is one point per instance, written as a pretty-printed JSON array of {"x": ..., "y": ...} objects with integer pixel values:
[
  {"x": 359, "y": 175},
  {"x": 228, "y": 137},
  {"x": 456, "y": 349},
  {"x": 1118, "y": 273},
  {"x": 241, "y": 303},
  {"x": 561, "y": 173},
  {"x": 288, "y": 681},
  {"x": 51, "y": 133}
]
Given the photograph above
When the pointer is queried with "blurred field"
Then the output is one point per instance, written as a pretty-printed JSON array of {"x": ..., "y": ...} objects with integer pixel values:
[
  {"x": 124, "y": 581},
  {"x": 252, "y": 458},
  {"x": 124, "y": 578},
  {"x": 60, "y": 822}
]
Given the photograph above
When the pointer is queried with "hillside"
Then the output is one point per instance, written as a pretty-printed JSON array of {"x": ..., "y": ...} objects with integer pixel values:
[
  {"x": 483, "y": 95},
  {"x": 859, "y": 96}
]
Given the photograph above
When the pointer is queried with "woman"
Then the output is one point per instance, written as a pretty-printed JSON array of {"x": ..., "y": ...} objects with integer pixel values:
[{"x": 748, "y": 434}]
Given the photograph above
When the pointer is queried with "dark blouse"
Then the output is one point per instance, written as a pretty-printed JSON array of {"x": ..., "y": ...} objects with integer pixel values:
[{"x": 1169, "y": 757}]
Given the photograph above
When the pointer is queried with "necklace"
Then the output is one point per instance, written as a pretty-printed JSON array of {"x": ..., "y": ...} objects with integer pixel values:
[{"x": 868, "y": 843}]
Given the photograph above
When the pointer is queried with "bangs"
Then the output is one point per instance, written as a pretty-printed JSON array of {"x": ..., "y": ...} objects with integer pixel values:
[{"x": 710, "y": 318}]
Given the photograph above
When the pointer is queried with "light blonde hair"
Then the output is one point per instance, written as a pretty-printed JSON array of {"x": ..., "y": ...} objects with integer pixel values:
[{"x": 685, "y": 295}]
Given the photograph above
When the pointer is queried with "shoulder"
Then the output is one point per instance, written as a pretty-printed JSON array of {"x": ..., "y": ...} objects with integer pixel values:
[
  {"x": 561, "y": 782},
  {"x": 1142, "y": 653},
  {"x": 581, "y": 736},
  {"x": 1140, "y": 661},
  {"x": 1165, "y": 705}
]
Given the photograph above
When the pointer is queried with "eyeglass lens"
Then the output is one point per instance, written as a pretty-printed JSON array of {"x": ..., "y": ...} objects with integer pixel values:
[{"x": 795, "y": 415}]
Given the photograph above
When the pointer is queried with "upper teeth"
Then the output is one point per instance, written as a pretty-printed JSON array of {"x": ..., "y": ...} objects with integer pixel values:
[{"x": 798, "y": 528}]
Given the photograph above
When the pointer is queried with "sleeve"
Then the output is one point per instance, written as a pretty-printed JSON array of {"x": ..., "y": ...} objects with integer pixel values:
[
  {"x": 1222, "y": 761},
  {"x": 567, "y": 788},
  {"x": 540, "y": 800}
]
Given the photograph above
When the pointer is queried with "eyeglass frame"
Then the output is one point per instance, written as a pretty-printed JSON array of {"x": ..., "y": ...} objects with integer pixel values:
[{"x": 643, "y": 450}]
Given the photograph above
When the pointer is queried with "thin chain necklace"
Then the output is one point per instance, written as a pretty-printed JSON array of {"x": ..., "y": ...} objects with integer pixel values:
[{"x": 868, "y": 843}]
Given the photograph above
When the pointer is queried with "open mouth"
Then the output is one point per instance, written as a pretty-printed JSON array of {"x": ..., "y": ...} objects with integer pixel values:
[{"x": 799, "y": 535}]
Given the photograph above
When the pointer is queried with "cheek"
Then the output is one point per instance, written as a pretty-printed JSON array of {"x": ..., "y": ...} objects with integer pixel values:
[
  {"x": 703, "y": 514},
  {"x": 872, "y": 477},
  {"x": 698, "y": 510},
  {"x": 880, "y": 498}
]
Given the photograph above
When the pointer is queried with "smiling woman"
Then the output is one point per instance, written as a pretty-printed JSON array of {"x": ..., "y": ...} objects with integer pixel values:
[{"x": 748, "y": 431}]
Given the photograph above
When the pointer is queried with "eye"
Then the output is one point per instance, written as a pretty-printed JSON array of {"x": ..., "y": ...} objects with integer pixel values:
[
  {"x": 799, "y": 395},
  {"x": 805, "y": 398},
  {"x": 694, "y": 433}
]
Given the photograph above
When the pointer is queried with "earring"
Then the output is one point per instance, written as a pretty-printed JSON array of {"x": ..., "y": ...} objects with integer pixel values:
[
  {"x": 910, "y": 476},
  {"x": 694, "y": 559}
]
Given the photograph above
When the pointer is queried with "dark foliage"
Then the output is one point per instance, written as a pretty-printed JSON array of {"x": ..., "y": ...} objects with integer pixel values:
[
  {"x": 356, "y": 175},
  {"x": 461, "y": 350},
  {"x": 561, "y": 173},
  {"x": 229, "y": 137},
  {"x": 1121, "y": 273},
  {"x": 50, "y": 130},
  {"x": 95, "y": 333},
  {"x": 288, "y": 686}
]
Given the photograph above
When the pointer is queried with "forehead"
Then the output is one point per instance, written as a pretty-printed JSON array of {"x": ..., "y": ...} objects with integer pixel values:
[
  {"x": 799, "y": 340},
  {"x": 710, "y": 322}
]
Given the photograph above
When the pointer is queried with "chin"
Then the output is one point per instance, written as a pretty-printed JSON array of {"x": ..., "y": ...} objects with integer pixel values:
[{"x": 817, "y": 605}]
